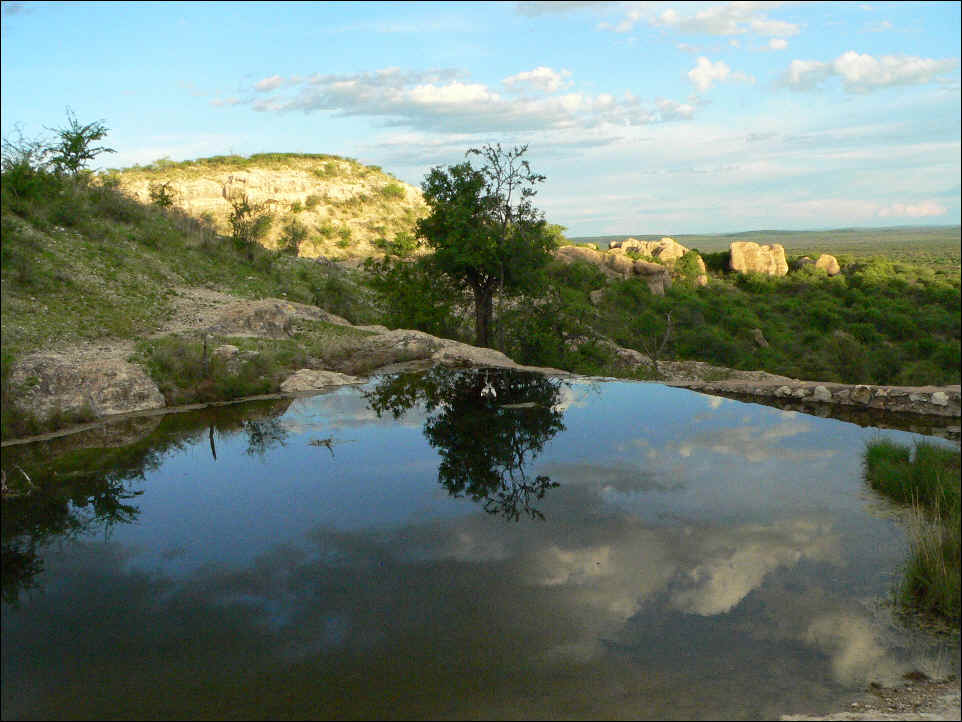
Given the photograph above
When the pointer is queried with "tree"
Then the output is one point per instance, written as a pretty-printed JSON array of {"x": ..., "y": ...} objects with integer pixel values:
[
  {"x": 249, "y": 223},
  {"x": 162, "y": 194},
  {"x": 485, "y": 232},
  {"x": 74, "y": 150}
]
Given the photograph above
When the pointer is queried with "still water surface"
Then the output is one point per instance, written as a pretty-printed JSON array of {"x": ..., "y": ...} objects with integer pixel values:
[{"x": 424, "y": 548}]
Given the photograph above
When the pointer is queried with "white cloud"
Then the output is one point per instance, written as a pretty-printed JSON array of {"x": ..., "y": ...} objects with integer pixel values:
[
  {"x": 545, "y": 80},
  {"x": 267, "y": 84},
  {"x": 736, "y": 18},
  {"x": 861, "y": 73},
  {"x": 706, "y": 73},
  {"x": 778, "y": 43},
  {"x": 446, "y": 101},
  {"x": 912, "y": 210},
  {"x": 225, "y": 102}
]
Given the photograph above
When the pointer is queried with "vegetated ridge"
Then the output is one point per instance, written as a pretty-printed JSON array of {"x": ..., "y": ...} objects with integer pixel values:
[
  {"x": 323, "y": 205},
  {"x": 86, "y": 265}
]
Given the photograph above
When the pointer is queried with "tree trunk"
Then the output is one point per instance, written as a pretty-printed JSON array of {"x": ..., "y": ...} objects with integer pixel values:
[{"x": 483, "y": 310}]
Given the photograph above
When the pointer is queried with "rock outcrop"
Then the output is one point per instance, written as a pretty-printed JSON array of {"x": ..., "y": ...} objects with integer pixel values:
[
  {"x": 667, "y": 250},
  {"x": 268, "y": 318},
  {"x": 310, "y": 380},
  {"x": 749, "y": 257},
  {"x": 351, "y": 205},
  {"x": 829, "y": 264},
  {"x": 618, "y": 264},
  {"x": 49, "y": 384},
  {"x": 656, "y": 276}
]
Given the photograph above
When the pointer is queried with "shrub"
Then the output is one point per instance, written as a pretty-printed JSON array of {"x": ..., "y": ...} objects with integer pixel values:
[
  {"x": 392, "y": 191},
  {"x": 292, "y": 235},
  {"x": 311, "y": 202},
  {"x": 162, "y": 194}
]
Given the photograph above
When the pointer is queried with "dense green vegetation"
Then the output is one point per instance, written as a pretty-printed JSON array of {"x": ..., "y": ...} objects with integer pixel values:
[
  {"x": 927, "y": 478},
  {"x": 83, "y": 261}
]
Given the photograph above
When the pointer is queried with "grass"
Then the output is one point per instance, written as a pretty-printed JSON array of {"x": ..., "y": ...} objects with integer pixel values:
[
  {"x": 926, "y": 478},
  {"x": 184, "y": 375}
]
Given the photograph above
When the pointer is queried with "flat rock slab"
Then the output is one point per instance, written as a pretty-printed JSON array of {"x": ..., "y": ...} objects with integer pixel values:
[
  {"x": 269, "y": 318},
  {"x": 48, "y": 384},
  {"x": 314, "y": 380}
]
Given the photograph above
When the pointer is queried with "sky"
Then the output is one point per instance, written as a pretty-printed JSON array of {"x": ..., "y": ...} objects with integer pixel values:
[{"x": 645, "y": 117}]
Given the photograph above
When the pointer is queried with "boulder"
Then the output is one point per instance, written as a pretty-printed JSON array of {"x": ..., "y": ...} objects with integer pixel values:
[
  {"x": 569, "y": 254},
  {"x": 49, "y": 384},
  {"x": 269, "y": 317},
  {"x": 620, "y": 263},
  {"x": 314, "y": 380},
  {"x": 667, "y": 250},
  {"x": 829, "y": 264},
  {"x": 596, "y": 296},
  {"x": 749, "y": 257},
  {"x": 404, "y": 345},
  {"x": 759, "y": 338},
  {"x": 656, "y": 276}
]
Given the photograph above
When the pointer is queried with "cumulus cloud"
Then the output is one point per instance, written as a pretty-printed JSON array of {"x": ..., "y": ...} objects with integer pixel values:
[
  {"x": 912, "y": 210},
  {"x": 545, "y": 80},
  {"x": 727, "y": 19},
  {"x": 777, "y": 44},
  {"x": 706, "y": 73},
  {"x": 861, "y": 73},
  {"x": 447, "y": 101},
  {"x": 272, "y": 83}
]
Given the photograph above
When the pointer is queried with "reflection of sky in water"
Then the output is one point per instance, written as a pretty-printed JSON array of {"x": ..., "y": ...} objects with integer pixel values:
[{"x": 692, "y": 540}]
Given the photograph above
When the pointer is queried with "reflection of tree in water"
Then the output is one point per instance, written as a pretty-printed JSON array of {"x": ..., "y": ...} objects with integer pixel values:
[
  {"x": 62, "y": 488},
  {"x": 263, "y": 435},
  {"x": 485, "y": 439},
  {"x": 78, "y": 506}
]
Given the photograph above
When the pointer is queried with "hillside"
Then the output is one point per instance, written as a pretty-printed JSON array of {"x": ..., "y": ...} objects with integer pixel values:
[{"x": 339, "y": 207}]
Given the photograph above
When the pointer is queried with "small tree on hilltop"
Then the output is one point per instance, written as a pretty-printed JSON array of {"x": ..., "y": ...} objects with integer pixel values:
[
  {"x": 75, "y": 149},
  {"x": 485, "y": 232}
]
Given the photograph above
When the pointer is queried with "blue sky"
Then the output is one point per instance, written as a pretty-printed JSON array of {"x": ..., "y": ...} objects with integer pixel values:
[{"x": 645, "y": 117}]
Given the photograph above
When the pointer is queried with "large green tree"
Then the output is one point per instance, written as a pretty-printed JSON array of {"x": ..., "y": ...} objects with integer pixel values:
[{"x": 484, "y": 229}]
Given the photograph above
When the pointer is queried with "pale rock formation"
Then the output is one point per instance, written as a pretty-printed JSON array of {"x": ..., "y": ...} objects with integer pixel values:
[
  {"x": 49, "y": 383},
  {"x": 667, "y": 250},
  {"x": 829, "y": 264},
  {"x": 269, "y": 317},
  {"x": 749, "y": 257},
  {"x": 656, "y": 276},
  {"x": 619, "y": 263},
  {"x": 759, "y": 338},
  {"x": 314, "y": 380}
]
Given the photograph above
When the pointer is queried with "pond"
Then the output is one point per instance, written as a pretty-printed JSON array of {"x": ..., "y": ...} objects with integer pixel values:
[{"x": 458, "y": 544}]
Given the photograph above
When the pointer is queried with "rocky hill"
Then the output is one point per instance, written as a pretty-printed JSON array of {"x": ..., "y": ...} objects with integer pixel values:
[{"x": 341, "y": 208}]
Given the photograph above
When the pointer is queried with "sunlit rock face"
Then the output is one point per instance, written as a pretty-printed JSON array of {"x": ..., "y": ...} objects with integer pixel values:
[
  {"x": 351, "y": 205},
  {"x": 829, "y": 264},
  {"x": 749, "y": 257},
  {"x": 52, "y": 384}
]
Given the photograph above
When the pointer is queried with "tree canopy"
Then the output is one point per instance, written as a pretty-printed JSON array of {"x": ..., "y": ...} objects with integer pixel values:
[{"x": 483, "y": 227}]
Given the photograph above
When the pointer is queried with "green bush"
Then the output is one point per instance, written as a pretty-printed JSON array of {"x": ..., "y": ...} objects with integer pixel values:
[
  {"x": 292, "y": 235},
  {"x": 392, "y": 191}
]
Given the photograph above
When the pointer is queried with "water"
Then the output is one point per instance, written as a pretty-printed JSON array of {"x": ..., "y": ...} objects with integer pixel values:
[{"x": 422, "y": 548}]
